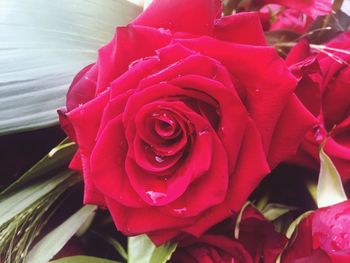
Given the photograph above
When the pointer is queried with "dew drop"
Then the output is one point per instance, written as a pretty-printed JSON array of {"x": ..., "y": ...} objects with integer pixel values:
[
  {"x": 221, "y": 131},
  {"x": 203, "y": 132},
  {"x": 318, "y": 136},
  {"x": 158, "y": 159},
  {"x": 257, "y": 90},
  {"x": 155, "y": 196},
  {"x": 180, "y": 211},
  {"x": 132, "y": 64}
]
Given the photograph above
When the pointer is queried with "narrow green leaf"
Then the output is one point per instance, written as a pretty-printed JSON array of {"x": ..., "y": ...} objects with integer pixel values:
[
  {"x": 54, "y": 241},
  {"x": 239, "y": 219},
  {"x": 12, "y": 205},
  {"x": 295, "y": 223},
  {"x": 163, "y": 253},
  {"x": 330, "y": 189},
  {"x": 57, "y": 157},
  {"x": 43, "y": 45},
  {"x": 114, "y": 243},
  {"x": 274, "y": 211},
  {"x": 142, "y": 250},
  {"x": 83, "y": 259}
]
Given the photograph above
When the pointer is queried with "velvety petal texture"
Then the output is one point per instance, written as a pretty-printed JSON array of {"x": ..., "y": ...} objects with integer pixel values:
[
  {"x": 323, "y": 236},
  {"x": 177, "y": 108},
  {"x": 324, "y": 88}
]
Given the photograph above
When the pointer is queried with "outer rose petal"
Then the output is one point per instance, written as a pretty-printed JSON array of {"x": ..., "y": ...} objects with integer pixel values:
[
  {"x": 287, "y": 135},
  {"x": 195, "y": 16},
  {"x": 131, "y": 43},
  {"x": 292, "y": 20},
  {"x": 83, "y": 87},
  {"x": 86, "y": 121},
  {"x": 243, "y": 28}
]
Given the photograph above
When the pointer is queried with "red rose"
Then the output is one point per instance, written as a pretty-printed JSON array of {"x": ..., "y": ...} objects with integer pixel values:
[
  {"x": 324, "y": 88},
  {"x": 210, "y": 249},
  {"x": 259, "y": 236},
  {"x": 323, "y": 236},
  {"x": 312, "y": 8},
  {"x": 257, "y": 240},
  {"x": 295, "y": 16},
  {"x": 181, "y": 117}
]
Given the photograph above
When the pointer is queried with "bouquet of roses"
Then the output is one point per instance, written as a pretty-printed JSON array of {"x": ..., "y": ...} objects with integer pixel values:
[{"x": 203, "y": 132}]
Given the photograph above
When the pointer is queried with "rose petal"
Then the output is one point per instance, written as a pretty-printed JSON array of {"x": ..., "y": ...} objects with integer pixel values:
[
  {"x": 130, "y": 44},
  {"x": 181, "y": 15},
  {"x": 267, "y": 83},
  {"x": 107, "y": 166},
  {"x": 242, "y": 28}
]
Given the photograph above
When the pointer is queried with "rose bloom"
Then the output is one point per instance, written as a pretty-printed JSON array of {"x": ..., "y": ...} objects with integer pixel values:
[
  {"x": 324, "y": 87},
  {"x": 210, "y": 249},
  {"x": 257, "y": 241},
  {"x": 181, "y": 117},
  {"x": 295, "y": 16},
  {"x": 323, "y": 236},
  {"x": 276, "y": 17}
]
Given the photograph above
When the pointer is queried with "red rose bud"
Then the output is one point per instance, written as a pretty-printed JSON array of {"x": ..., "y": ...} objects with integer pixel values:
[
  {"x": 177, "y": 108},
  {"x": 210, "y": 249},
  {"x": 259, "y": 236},
  {"x": 324, "y": 88},
  {"x": 323, "y": 236}
]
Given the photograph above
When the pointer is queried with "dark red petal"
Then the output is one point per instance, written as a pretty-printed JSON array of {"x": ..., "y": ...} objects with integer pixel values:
[
  {"x": 336, "y": 99},
  {"x": 299, "y": 52},
  {"x": 247, "y": 176},
  {"x": 107, "y": 166},
  {"x": 288, "y": 136},
  {"x": 242, "y": 28},
  {"x": 195, "y": 16}
]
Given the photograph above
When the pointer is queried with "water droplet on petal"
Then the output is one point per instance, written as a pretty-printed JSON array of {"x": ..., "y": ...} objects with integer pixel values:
[
  {"x": 158, "y": 159},
  {"x": 203, "y": 132},
  {"x": 155, "y": 196},
  {"x": 257, "y": 90},
  {"x": 180, "y": 211},
  {"x": 221, "y": 131},
  {"x": 132, "y": 64}
]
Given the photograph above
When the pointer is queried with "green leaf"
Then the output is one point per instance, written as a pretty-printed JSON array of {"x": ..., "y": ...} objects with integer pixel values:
[
  {"x": 43, "y": 45},
  {"x": 142, "y": 250},
  {"x": 12, "y": 205},
  {"x": 239, "y": 219},
  {"x": 54, "y": 241},
  {"x": 83, "y": 259},
  {"x": 57, "y": 157},
  {"x": 114, "y": 243},
  {"x": 330, "y": 189},
  {"x": 274, "y": 211},
  {"x": 295, "y": 223}
]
